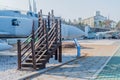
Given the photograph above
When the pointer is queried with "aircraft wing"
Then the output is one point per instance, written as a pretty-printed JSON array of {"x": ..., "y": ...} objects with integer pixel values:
[{"x": 8, "y": 35}]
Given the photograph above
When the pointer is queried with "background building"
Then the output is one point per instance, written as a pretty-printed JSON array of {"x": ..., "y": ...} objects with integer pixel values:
[{"x": 99, "y": 21}]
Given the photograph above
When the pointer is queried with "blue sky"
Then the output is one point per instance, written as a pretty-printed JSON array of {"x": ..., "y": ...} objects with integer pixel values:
[{"x": 71, "y": 9}]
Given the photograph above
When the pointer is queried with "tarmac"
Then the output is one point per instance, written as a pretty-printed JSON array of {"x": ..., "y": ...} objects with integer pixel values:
[
  {"x": 86, "y": 68},
  {"x": 95, "y": 56}
]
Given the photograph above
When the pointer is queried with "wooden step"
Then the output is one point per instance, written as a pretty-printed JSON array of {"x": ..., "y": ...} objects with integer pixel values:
[
  {"x": 41, "y": 46},
  {"x": 29, "y": 60},
  {"x": 54, "y": 45},
  {"x": 50, "y": 52},
  {"x": 44, "y": 56},
  {"x": 38, "y": 51},
  {"x": 30, "y": 65},
  {"x": 53, "y": 48},
  {"x": 35, "y": 55}
]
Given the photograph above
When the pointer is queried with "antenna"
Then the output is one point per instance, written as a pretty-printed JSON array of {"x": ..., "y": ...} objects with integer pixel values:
[
  {"x": 34, "y": 6},
  {"x": 30, "y": 7}
]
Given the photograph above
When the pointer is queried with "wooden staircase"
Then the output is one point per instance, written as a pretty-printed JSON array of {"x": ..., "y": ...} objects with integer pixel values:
[{"x": 42, "y": 44}]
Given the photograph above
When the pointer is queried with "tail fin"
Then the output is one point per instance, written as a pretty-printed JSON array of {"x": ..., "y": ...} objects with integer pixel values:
[
  {"x": 30, "y": 7},
  {"x": 87, "y": 29},
  {"x": 34, "y": 6}
]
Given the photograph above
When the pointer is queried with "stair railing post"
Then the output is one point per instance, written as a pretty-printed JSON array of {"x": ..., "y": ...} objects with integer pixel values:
[
  {"x": 60, "y": 41},
  {"x": 33, "y": 32},
  {"x": 40, "y": 17},
  {"x": 44, "y": 28},
  {"x": 19, "y": 54},
  {"x": 52, "y": 17},
  {"x": 56, "y": 39},
  {"x": 46, "y": 33},
  {"x": 48, "y": 21},
  {"x": 33, "y": 54},
  {"x": 47, "y": 41},
  {"x": 33, "y": 47},
  {"x": 40, "y": 21}
]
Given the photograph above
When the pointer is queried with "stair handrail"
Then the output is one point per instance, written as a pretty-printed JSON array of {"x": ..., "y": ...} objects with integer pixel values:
[
  {"x": 49, "y": 44},
  {"x": 42, "y": 40},
  {"x": 24, "y": 48}
]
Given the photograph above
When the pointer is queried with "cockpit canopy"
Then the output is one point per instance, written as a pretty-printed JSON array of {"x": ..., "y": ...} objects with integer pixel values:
[{"x": 32, "y": 14}]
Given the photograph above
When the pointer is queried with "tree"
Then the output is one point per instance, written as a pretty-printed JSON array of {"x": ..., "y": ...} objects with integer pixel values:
[
  {"x": 118, "y": 25},
  {"x": 100, "y": 23},
  {"x": 107, "y": 23}
]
